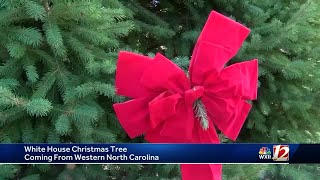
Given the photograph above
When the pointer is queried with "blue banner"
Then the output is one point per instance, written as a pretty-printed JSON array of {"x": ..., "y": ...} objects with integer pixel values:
[{"x": 158, "y": 153}]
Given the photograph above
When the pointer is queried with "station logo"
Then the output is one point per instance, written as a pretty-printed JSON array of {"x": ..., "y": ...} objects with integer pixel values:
[
  {"x": 281, "y": 153},
  {"x": 265, "y": 153}
]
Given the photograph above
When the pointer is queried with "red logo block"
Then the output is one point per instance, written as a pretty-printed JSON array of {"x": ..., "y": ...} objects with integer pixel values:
[{"x": 281, "y": 153}]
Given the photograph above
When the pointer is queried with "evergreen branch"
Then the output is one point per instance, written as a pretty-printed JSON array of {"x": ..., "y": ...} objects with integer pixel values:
[
  {"x": 31, "y": 177},
  {"x": 252, "y": 171},
  {"x": 47, "y": 6},
  {"x": 54, "y": 39},
  {"x": 16, "y": 50},
  {"x": 32, "y": 74},
  {"x": 201, "y": 114},
  {"x": 62, "y": 125},
  {"x": 35, "y": 10},
  {"x": 8, "y": 171},
  {"x": 27, "y": 36},
  {"x": 10, "y": 115},
  {"x": 45, "y": 84},
  {"x": 38, "y": 107},
  {"x": 10, "y": 98},
  {"x": 9, "y": 83},
  {"x": 122, "y": 27},
  {"x": 301, "y": 12}
]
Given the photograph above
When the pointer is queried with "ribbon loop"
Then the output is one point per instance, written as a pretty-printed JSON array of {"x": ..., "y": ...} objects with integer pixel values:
[
  {"x": 130, "y": 68},
  {"x": 165, "y": 102}
]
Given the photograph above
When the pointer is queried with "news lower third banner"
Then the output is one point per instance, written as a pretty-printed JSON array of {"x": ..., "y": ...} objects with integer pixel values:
[{"x": 158, "y": 153}]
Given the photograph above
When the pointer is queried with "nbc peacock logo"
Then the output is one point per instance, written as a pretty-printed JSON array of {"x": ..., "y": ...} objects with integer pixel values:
[{"x": 264, "y": 153}]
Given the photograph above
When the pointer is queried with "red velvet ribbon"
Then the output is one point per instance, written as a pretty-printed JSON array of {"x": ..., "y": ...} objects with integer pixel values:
[{"x": 162, "y": 95}]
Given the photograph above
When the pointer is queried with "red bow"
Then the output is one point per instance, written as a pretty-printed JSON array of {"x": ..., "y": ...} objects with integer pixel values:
[{"x": 163, "y": 96}]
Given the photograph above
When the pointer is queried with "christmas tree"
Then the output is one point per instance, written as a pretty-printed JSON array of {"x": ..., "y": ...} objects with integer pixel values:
[{"x": 58, "y": 59}]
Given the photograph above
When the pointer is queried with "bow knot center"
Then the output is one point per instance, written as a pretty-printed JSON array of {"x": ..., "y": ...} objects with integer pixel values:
[{"x": 193, "y": 94}]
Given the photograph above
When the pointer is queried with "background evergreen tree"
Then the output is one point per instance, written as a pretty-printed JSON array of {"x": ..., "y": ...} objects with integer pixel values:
[{"x": 57, "y": 62}]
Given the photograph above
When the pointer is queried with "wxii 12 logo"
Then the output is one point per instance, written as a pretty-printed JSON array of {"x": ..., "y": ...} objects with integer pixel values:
[{"x": 280, "y": 153}]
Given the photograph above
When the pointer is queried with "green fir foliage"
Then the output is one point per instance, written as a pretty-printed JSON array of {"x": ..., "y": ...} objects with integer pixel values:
[
  {"x": 57, "y": 65},
  {"x": 58, "y": 59}
]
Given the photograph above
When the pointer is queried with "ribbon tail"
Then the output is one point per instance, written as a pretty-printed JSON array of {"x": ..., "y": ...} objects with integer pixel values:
[{"x": 201, "y": 171}]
